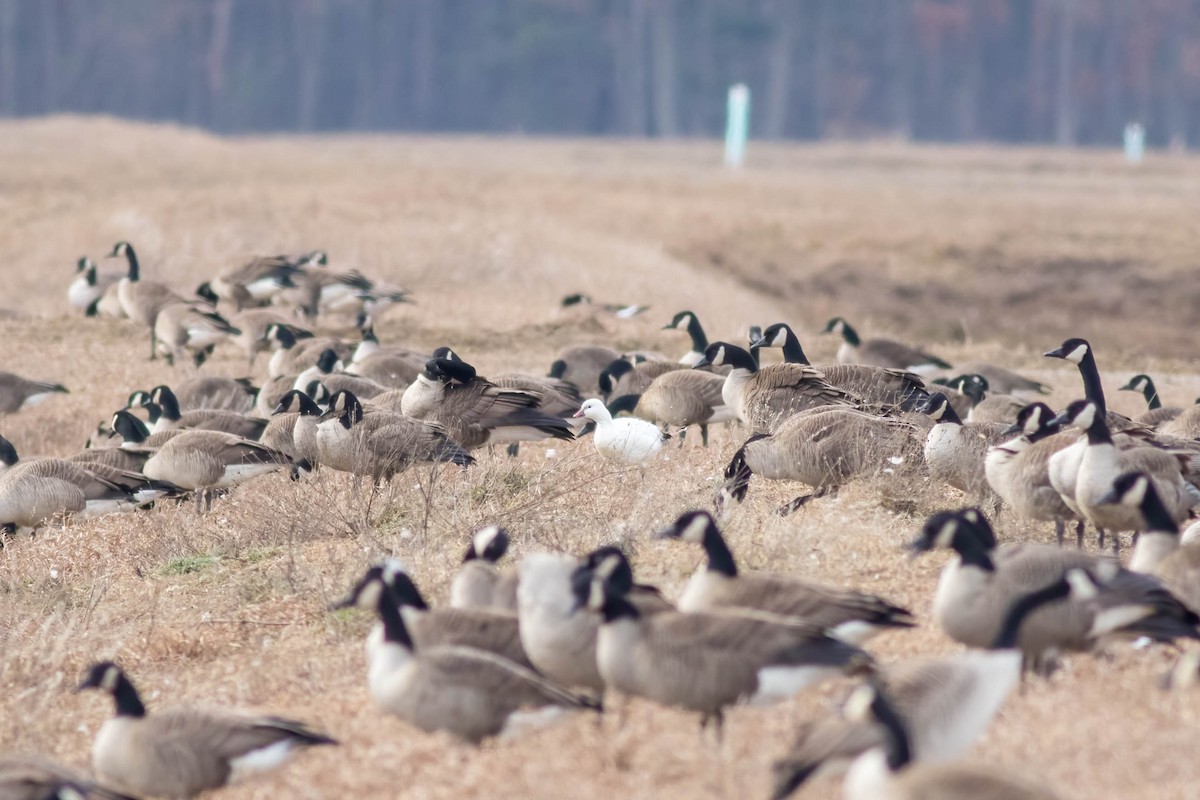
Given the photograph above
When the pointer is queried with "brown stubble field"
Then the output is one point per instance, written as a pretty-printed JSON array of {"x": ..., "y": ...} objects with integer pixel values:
[{"x": 979, "y": 253}]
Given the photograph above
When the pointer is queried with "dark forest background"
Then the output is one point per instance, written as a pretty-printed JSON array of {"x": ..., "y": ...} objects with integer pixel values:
[{"x": 1061, "y": 71}]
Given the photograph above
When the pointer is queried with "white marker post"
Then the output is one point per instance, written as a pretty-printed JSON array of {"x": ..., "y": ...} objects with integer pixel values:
[
  {"x": 1135, "y": 142},
  {"x": 737, "y": 125}
]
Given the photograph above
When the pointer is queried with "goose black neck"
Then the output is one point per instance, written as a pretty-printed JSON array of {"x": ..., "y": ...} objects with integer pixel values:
[
  {"x": 949, "y": 415},
  {"x": 720, "y": 557},
  {"x": 154, "y": 411},
  {"x": 406, "y": 593},
  {"x": 699, "y": 340},
  {"x": 793, "y": 353},
  {"x": 134, "y": 268},
  {"x": 1158, "y": 519},
  {"x": 972, "y": 551},
  {"x": 126, "y": 700},
  {"x": 850, "y": 335},
  {"x": 394, "y": 630},
  {"x": 1099, "y": 433},
  {"x": 1150, "y": 392},
  {"x": 1020, "y": 610},
  {"x": 130, "y": 427},
  {"x": 616, "y": 607},
  {"x": 900, "y": 747},
  {"x": 1093, "y": 389},
  {"x": 626, "y": 402},
  {"x": 170, "y": 405}
]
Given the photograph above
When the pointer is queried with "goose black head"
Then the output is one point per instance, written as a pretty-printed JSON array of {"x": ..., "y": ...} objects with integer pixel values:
[
  {"x": 447, "y": 370},
  {"x": 8, "y": 453},
  {"x": 317, "y": 258},
  {"x": 610, "y": 564},
  {"x": 1035, "y": 421},
  {"x": 283, "y": 335},
  {"x": 129, "y": 427},
  {"x": 938, "y": 407},
  {"x": 327, "y": 361},
  {"x": 973, "y": 385},
  {"x": 1073, "y": 350},
  {"x": 612, "y": 373},
  {"x": 680, "y": 322},
  {"x": 966, "y": 531},
  {"x": 205, "y": 291},
  {"x": 575, "y": 299},
  {"x": 120, "y": 249},
  {"x": 693, "y": 526},
  {"x": 1081, "y": 414},
  {"x": 299, "y": 402},
  {"x": 774, "y": 336},
  {"x": 83, "y": 264},
  {"x": 345, "y": 408},
  {"x": 720, "y": 354},
  {"x": 1138, "y": 383},
  {"x": 103, "y": 675},
  {"x": 1128, "y": 489},
  {"x": 488, "y": 544},
  {"x": 448, "y": 354}
]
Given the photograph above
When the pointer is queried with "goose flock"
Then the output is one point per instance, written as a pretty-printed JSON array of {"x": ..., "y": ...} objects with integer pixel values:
[{"x": 520, "y": 648}]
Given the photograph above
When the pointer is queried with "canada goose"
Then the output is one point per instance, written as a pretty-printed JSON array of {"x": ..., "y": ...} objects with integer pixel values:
[
  {"x": 184, "y": 752},
  {"x": 474, "y": 411},
  {"x": 324, "y": 290},
  {"x": 1001, "y": 380},
  {"x": 1184, "y": 426},
  {"x": 1158, "y": 550},
  {"x": 680, "y": 399},
  {"x": 483, "y": 629},
  {"x": 38, "y": 779},
  {"x": 872, "y": 385},
  {"x": 558, "y": 635},
  {"x": 765, "y": 398},
  {"x": 478, "y": 583},
  {"x": 824, "y": 448},
  {"x": 163, "y": 408},
  {"x": 686, "y": 321},
  {"x": 89, "y": 286},
  {"x": 142, "y": 300},
  {"x": 135, "y": 435},
  {"x": 610, "y": 564},
  {"x": 581, "y": 366},
  {"x": 393, "y": 367},
  {"x": 946, "y": 704},
  {"x": 17, "y": 392},
  {"x": 554, "y": 397},
  {"x": 1079, "y": 352},
  {"x": 210, "y": 392},
  {"x": 200, "y": 461},
  {"x": 1156, "y": 413},
  {"x": 184, "y": 329},
  {"x": 618, "y": 310},
  {"x": 470, "y": 693},
  {"x": 706, "y": 662},
  {"x": 626, "y": 440},
  {"x": 293, "y": 428},
  {"x": 986, "y": 406},
  {"x": 380, "y": 444},
  {"x": 1017, "y": 469},
  {"x": 336, "y": 380},
  {"x": 955, "y": 451},
  {"x": 254, "y": 283},
  {"x": 293, "y": 352},
  {"x": 849, "y": 615},
  {"x": 888, "y": 771},
  {"x": 881, "y": 352},
  {"x": 1103, "y": 463},
  {"x": 253, "y": 324},
  {"x": 621, "y": 377},
  {"x": 976, "y": 587}
]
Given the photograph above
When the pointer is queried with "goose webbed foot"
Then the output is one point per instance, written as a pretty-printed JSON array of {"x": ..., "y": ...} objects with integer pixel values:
[{"x": 514, "y": 449}]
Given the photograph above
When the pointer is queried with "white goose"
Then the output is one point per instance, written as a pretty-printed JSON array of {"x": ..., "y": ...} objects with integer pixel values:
[{"x": 628, "y": 440}]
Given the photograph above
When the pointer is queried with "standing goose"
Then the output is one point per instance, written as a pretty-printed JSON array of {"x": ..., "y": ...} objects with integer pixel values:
[
  {"x": 1018, "y": 470},
  {"x": 380, "y": 444},
  {"x": 881, "y": 352},
  {"x": 142, "y": 300},
  {"x": 89, "y": 286},
  {"x": 581, "y": 365},
  {"x": 887, "y": 772},
  {"x": 203, "y": 460},
  {"x": 476, "y": 412},
  {"x": 976, "y": 587},
  {"x": 686, "y": 321},
  {"x": 1158, "y": 550},
  {"x": 293, "y": 428},
  {"x": 955, "y": 451},
  {"x": 849, "y": 615},
  {"x": 482, "y": 629},
  {"x": 946, "y": 704},
  {"x": 185, "y": 752},
  {"x": 880, "y": 386},
  {"x": 764, "y": 398},
  {"x": 183, "y": 329},
  {"x": 625, "y": 440},
  {"x": 824, "y": 449},
  {"x": 680, "y": 399},
  {"x": 621, "y": 377},
  {"x": 470, "y": 693},
  {"x": 986, "y": 405},
  {"x": 1156, "y": 413},
  {"x": 706, "y": 662},
  {"x": 478, "y": 582},
  {"x": 256, "y": 282},
  {"x": 17, "y": 393}
]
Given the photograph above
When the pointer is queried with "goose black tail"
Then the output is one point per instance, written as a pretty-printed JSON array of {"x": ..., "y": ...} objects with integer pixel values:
[{"x": 737, "y": 474}]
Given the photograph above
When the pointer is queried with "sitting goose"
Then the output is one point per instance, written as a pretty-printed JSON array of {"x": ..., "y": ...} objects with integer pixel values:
[
  {"x": 1158, "y": 550},
  {"x": 1156, "y": 413},
  {"x": 478, "y": 583},
  {"x": 581, "y": 365},
  {"x": 881, "y": 352},
  {"x": 185, "y": 752},
  {"x": 955, "y": 451},
  {"x": 165, "y": 414},
  {"x": 849, "y": 615},
  {"x": 764, "y": 398},
  {"x": 986, "y": 405},
  {"x": 184, "y": 329},
  {"x": 200, "y": 461}
]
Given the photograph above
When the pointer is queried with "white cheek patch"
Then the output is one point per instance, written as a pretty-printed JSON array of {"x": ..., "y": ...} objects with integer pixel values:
[
  {"x": 1137, "y": 492},
  {"x": 945, "y": 536},
  {"x": 1076, "y": 355},
  {"x": 858, "y": 705},
  {"x": 484, "y": 537},
  {"x": 369, "y": 596},
  {"x": 694, "y": 532},
  {"x": 109, "y": 682},
  {"x": 1086, "y": 417},
  {"x": 720, "y": 356},
  {"x": 780, "y": 338}
]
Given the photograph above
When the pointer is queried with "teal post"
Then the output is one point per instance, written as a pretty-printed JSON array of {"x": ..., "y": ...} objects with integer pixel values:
[{"x": 737, "y": 125}]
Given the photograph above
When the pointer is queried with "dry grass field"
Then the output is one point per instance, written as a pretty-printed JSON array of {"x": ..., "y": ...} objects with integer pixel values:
[{"x": 977, "y": 253}]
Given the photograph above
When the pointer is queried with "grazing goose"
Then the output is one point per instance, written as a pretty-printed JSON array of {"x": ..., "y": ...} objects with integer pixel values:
[
  {"x": 946, "y": 704},
  {"x": 707, "y": 662},
  {"x": 679, "y": 399},
  {"x": 203, "y": 460},
  {"x": 38, "y": 779},
  {"x": 1103, "y": 462},
  {"x": 625, "y": 440},
  {"x": 197, "y": 394},
  {"x": 1017, "y": 469},
  {"x": 142, "y": 300},
  {"x": 292, "y": 352},
  {"x": 380, "y": 444},
  {"x": 476, "y": 412},
  {"x": 686, "y": 321},
  {"x": 581, "y": 365},
  {"x": 849, "y": 615},
  {"x": 482, "y": 629},
  {"x": 873, "y": 385},
  {"x": 165, "y": 414},
  {"x": 881, "y": 352},
  {"x": 256, "y": 282},
  {"x": 621, "y": 377},
  {"x": 470, "y": 693},
  {"x": 824, "y": 449},
  {"x": 253, "y": 324},
  {"x": 887, "y": 772},
  {"x": 955, "y": 451},
  {"x": 17, "y": 393},
  {"x": 184, "y": 752},
  {"x": 478, "y": 582},
  {"x": 976, "y": 587},
  {"x": 1158, "y": 550},
  {"x": 765, "y": 398},
  {"x": 89, "y": 286},
  {"x": 1156, "y": 413},
  {"x": 986, "y": 406},
  {"x": 183, "y": 329},
  {"x": 293, "y": 428},
  {"x": 618, "y": 310}
]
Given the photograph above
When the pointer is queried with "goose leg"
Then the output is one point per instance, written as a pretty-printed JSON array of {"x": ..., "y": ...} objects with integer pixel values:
[
  {"x": 1060, "y": 529},
  {"x": 704, "y": 434},
  {"x": 513, "y": 449},
  {"x": 153, "y": 344},
  {"x": 788, "y": 508},
  {"x": 1100, "y": 538},
  {"x": 1079, "y": 526},
  {"x": 1116, "y": 537}
]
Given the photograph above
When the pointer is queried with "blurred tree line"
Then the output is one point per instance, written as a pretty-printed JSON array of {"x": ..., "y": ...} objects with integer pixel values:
[{"x": 1065, "y": 71}]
